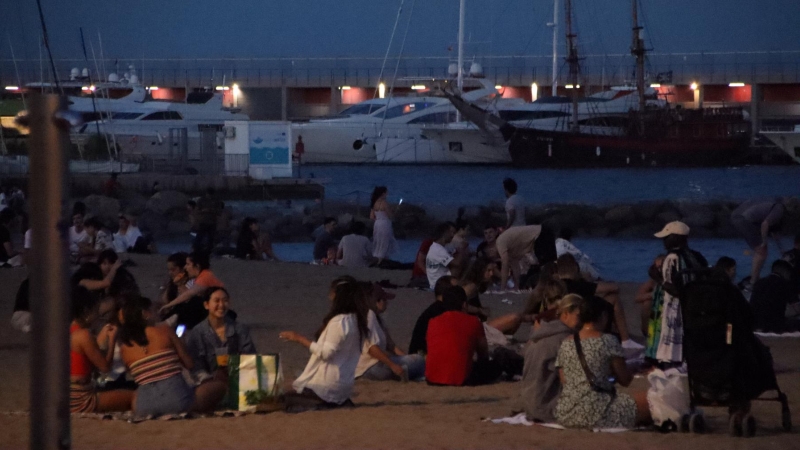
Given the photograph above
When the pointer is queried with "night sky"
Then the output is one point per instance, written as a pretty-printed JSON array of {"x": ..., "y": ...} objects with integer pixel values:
[{"x": 314, "y": 28}]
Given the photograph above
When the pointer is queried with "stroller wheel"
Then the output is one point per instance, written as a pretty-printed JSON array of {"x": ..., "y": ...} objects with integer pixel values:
[
  {"x": 748, "y": 426},
  {"x": 735, "y": 425},
  {"x": 684, "y": 425},
  {"x": 786, "y": 415},
  {"x": 697, "y": 424}
]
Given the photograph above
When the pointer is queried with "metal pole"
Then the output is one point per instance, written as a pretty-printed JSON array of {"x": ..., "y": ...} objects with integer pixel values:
[
  {"x": 554, "y": 85},
  {"x": 50, "y": 304},
  {"x": 460, "y": 76}
]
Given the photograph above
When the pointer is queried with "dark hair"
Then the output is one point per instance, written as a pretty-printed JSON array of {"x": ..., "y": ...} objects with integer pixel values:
[
  {"x": 725, "y": 263},
  {"x": 87, "y": 271},
  {"x": 328, "y": 220},
  {"x": 348, "y": 298},
  {"x": 93, "y": 222},
  {"x": 566, "y": 233},
  {"x": 358, "y": 228},
  {"x": 592, "y": 310},
  {"x": 783, "y": 268},
  {"x": 179, "y": 259},
  {"x": 244, "y": 230},
  {"x": 441, "y": 285},
  {"x": 83, "y": 302},
  {"x": 453, "y": 298},
  {"x": 200, "y": 259},
  {"x": 567, "y": 266},
  {"x": 191, "y": 203},
  {"x": 79, "y": 208},
  {"x": 441, "y": 229},
  {"x": 107, "y": 255},
  {"x": 510, "y": 185},
  {"x": 134, "y": 324},
  {"x": 376, "y": 194},
  {"x": 211, "y": 290},
  {"x": 461, "y": 224},
  {"x": 474, "y": 274}
]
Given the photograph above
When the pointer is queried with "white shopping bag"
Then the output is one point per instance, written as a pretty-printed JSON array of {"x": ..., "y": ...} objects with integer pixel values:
[{"x": 668, "y": 395}]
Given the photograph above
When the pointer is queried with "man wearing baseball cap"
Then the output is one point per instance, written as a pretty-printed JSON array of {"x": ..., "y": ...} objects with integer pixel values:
[{"x": 665, "y": 330}]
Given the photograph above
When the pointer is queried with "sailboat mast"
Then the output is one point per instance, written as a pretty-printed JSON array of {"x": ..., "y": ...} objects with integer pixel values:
[
  {"x": 460, "y": 79},
  {"x": 555, "y": 49},
  {"x": 572, "y": 60},
  {"x": 638, "y": 50}
]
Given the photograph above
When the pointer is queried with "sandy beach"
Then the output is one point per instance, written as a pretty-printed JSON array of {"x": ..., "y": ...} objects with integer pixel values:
[{"x": 270, "y": 297}]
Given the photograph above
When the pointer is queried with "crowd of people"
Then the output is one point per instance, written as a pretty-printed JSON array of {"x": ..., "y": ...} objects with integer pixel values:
[{"x": 169, "y": 355}]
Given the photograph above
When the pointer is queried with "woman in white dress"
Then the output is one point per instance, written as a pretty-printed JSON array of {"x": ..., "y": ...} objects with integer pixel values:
[{"x": 383, "y": 241}]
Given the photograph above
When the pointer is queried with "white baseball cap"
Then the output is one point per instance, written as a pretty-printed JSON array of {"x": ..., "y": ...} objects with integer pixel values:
[{"x": 676, "y": 227}]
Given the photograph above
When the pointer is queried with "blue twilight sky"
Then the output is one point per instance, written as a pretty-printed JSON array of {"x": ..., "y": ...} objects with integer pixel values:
[{"x": 314, "y": 28}]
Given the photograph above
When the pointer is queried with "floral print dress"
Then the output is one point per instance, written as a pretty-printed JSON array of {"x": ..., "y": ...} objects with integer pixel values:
[{"x": 581, "y": 407}]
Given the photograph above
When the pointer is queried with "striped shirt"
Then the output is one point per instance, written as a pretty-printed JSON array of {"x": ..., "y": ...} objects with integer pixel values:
[{"x": 156, "y": 367}]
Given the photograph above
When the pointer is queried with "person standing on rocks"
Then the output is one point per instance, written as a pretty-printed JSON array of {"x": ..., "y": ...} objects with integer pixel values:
[
  {"x": 515, "y": 205},
  {"x": 756, "y": 220},
  {"x": 209, "y": 209},
  {"x": 383, "y": 241}
]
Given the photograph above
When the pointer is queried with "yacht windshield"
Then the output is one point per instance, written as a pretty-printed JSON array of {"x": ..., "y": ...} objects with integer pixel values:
[
  {"x": 362, "y": 109},
  {"x": 401, "y": 110}
]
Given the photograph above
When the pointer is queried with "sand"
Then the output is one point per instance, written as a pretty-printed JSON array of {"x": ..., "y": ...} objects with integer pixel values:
[{"x": 271, "y": 297}]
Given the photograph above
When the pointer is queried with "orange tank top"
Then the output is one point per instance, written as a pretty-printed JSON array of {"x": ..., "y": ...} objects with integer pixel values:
[{"x": 79, "y": 364}]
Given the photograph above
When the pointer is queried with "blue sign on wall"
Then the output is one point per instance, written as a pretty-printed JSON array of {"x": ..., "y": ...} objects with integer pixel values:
[{"x": 269, "y": 145}]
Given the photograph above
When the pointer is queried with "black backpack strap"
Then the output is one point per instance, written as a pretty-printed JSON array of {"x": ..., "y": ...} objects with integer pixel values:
[{"x": 586, "y": 371}]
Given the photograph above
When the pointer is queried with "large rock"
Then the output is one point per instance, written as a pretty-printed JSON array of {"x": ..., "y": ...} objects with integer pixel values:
[
  {"x": 700, "y": 219},
  {"x": 178, "y": 227},
  {"x": 620, "y": 216},
  {"x": 647, "y": 211},
  {"x": 166, "y": 202},
  {"x": 668, "y": 216},
  {"x": 132, "y": 202},
  {"x": 104, "y": 208},
  {"x": 344, "y": 219},
  {"x": 152, "y": 222}
]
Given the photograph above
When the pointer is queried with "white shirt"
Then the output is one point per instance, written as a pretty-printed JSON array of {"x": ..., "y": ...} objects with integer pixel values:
[
  {"x": 564, "y": 246},
  {"x": 517, "y": 204},
  {"x": 122, "y": 242},
  {"x": 376, "y": 337},
  {"x": 436, "y": 263},
  {"x": 76, "y": 238},
  {"x": 356, "y": 251},
  {"x": 330, "y": 372},
  {"x": 28, "y": 239},
  {"x": 3, "y": 201}
]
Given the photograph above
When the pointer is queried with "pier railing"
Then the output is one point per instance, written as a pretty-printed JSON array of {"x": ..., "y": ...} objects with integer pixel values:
[{"x": 512, "y": 70}]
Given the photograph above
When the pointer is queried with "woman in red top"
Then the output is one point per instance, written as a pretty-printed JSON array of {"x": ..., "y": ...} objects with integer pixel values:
[{"x": 85, "y": 356}]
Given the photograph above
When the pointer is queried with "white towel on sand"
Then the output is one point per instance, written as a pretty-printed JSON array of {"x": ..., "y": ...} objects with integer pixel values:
[{"x": 520, "y": 419}]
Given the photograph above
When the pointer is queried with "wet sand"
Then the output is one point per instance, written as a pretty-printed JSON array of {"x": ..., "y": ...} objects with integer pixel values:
[{"x": 271, "y": 297}]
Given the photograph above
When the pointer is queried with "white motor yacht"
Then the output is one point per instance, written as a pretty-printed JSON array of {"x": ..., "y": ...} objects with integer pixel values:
[{"x": 788, "y": 141}]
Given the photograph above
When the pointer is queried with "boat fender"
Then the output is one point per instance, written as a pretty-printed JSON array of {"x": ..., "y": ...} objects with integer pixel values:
[
  {"x": 358, "y": 144},
  {"x": 597, "y": 151},
  {"x": 550, "y": 150},
  {"x": 643, "y": 156},
  {"x": 628, "y": 160}
]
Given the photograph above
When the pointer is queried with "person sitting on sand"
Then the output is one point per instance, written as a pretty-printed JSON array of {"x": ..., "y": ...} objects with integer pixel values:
[
  {"x": 540, "y": 383},
  {"x": 85, "y": 357},
  {"x": 9, "y": 257},
  {"x": 647, "y": 290},
  {"x": 453, "y": 339},
  {"x": 569, "y": 273},
  {"x": 129, "y": 238},
  {"x": 564, "y": 245},
  {"x": 476, "y": 280},
  {"x": 380, "y": 358},
  {"x": 324, "y": 240},
  {"x": 21, "y": 317},
  {"x": 771, "y": 295},
  {"x": 253, "y": 245},
  {"x": 156, "y": 357},
  {"x": 328, "y": 378},
  {"x": 487, "y": 249},
  {"x": 176, "y": 278},
  {"x": 355, "y": 249},
  {"x": 588, "y": 398},
  {"x": 439, "y": 261},
  {"x": 77, "y": 232},
  {"x": 419, "y": 344},
  {"x": 198, "y": 267},
  {"x": 218, "y": 331}
]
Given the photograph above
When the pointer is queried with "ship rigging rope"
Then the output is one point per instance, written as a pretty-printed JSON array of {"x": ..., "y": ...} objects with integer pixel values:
[
  {"x": 388, "y": 48},
  {"x": 397, "y": 66},
  {"x": 47, "y": 46}
]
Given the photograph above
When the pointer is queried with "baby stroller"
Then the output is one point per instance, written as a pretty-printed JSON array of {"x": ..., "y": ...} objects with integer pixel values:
[{"x": 727, "y": 364}]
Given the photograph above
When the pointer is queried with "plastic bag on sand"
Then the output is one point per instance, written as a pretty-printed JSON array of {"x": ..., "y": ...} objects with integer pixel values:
[{"x": 668, "y": 395}]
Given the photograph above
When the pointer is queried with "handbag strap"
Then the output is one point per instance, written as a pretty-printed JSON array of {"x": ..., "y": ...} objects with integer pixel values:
[{"x": 586, "y": 371}]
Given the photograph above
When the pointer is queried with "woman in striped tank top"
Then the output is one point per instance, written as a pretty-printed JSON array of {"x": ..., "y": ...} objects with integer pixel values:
[{"x": 156, "y": 357}]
